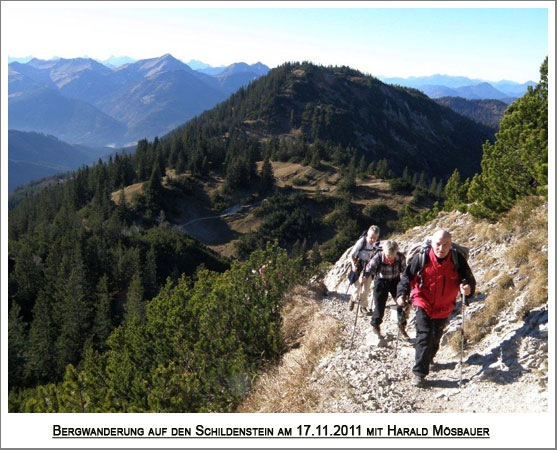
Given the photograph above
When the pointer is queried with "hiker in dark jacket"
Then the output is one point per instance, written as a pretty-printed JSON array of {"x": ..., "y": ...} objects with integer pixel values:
[
  {"x": 433, "y": 289},
  {"x": 385, "y": 269},
  {"x": 360, "y": 254}
]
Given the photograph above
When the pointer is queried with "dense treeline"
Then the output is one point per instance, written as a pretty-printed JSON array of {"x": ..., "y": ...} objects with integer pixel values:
[
  {"x": 515, "y": 165},
  {"x": 79, "y": 264},
  {"x": 195, "y": 347},
  {"x": 339, "y": 108}
]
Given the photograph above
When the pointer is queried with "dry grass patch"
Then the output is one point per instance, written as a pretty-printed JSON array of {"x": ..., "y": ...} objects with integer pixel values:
[
  {"x": 519, "y": 254},
  {"x": 483, "y": 231},
  {"x": 486, "y": 259},
  {"x": 310, "y": 334},
  {"x": 506, "y": 281},
  {"x": 130, "y": 192},
  {"x": 526, "y": 226},
  {"x": 537, "y": 287},
  {"x": 520, "y": 217},
  {"x": 490, "y": 275},
  {"x": 484, "y": 320}
]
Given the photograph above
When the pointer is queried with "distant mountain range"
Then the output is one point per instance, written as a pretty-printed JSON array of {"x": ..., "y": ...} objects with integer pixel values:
[
  {"x": 205, "y": 68},
  {"x": 21, "y": 60},
  {"x": 82, "y": 101},
  {"x": 436, "y": 86},
  {"x": 115, "y": 102},
  {"x": 117, "y": 61},
  {"x": 34, "y": 155}
]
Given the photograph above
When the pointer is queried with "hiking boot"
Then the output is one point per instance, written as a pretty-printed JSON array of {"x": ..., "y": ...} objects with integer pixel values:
[
  {"x": 375, "y": 329},
  {"x": 419, "y": 381},
  {"x": 364, "y": 310},
  {"x": 403, "y": 332},
  {"x": 351, "y": 305}
]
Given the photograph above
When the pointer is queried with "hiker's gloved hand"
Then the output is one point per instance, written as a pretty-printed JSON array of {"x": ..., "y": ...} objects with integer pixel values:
[
  {"x": 400, "y": 301},
  {"x": 465, "y": 289}
]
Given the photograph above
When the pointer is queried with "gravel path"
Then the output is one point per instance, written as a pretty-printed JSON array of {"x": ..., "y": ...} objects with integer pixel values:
[{"x": 507, "y": 373}]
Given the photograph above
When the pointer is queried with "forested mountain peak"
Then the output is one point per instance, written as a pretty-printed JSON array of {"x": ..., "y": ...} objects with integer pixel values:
[{"x": 344, "y": 107}]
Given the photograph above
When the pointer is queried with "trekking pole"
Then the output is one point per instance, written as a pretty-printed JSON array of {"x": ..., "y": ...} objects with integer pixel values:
[
  {"x": 356, "y": 319},
  {"x": 463, "y": 311},
  {"x": 397, "y": 338}
]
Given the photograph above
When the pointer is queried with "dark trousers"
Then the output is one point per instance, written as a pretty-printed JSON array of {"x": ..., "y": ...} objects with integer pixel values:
[
  {"x": 380, "y": 295},
  {"x": 428, "y": 336}
]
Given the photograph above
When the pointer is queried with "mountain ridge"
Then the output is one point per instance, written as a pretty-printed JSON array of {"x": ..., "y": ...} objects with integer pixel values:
[
  {"x": 488, "y": 112},
  {"x": 345, "y": 107},
  {"x": 33, "y": 155},
  {"x": 439, "y": 85},
  {"x": 90, "y": 81}
]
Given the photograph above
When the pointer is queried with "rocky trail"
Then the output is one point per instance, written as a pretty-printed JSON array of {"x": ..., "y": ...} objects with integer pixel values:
[
  {"x": 376, "y": 376},
  {"x": 507, "y": 371}
]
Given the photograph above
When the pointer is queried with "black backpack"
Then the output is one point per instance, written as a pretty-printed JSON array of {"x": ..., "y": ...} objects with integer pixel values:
[
  {"x": 377, "y": 247},
  {"x": 421, "y": 251}
]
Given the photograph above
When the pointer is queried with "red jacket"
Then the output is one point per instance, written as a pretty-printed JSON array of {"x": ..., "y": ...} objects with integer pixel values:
[{"x": 441, "y": 284}]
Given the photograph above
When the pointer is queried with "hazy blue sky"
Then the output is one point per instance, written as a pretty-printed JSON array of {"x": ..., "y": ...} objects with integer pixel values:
[{"x": 494, "y": 44}]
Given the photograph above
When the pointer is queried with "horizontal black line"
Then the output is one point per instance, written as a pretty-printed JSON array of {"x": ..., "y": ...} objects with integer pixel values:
[{"x": 270, "y": 437}]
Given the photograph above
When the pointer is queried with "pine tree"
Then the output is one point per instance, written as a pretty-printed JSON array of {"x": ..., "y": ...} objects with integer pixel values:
[
  {"x": 17, "y": 346},
  {"x": 315, "y": 255},
  {"x": 295, "y": 252},
  {"x": 421, "y": 181},
  {"x": 122, "y": 209},
  {"x": 160, "y": 163},
  {"x": 181, "y": 163},
  {"x": 27, "y": 275},
  {"x": 267, "y": 178},
  {"x": 362, "y": 166},
  {"x": 153, "y": 191},
  {"x": 433, "y": 186},
  {"x": 455, "y": 193},
  {"x": 74, "y": 311},
  {"x": 40, "y": 352},
  {"x": 150, "y": 273},
  {"x": 515, "y": 165},
  {"x": 135, "y": 304},
  {"x": 103, "y": 323},
  {"x": 315, "y": 159}
]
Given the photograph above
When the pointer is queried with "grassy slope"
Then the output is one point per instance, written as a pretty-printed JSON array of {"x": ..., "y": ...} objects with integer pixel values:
[{"x": 221, "y": 234}]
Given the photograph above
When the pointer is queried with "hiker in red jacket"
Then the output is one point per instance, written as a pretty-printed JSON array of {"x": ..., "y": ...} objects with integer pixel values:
[{"x": 433, "y": 288}]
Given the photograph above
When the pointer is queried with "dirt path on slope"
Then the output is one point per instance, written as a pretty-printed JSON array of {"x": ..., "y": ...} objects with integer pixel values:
[{"x": 371, "y": 378}]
